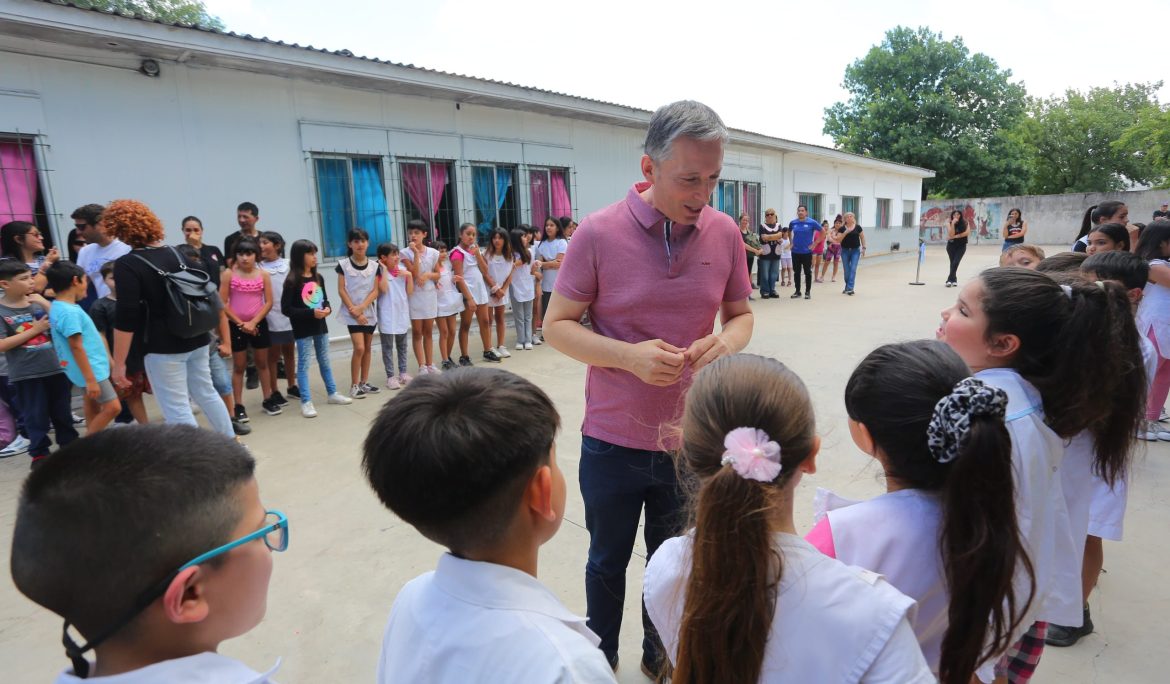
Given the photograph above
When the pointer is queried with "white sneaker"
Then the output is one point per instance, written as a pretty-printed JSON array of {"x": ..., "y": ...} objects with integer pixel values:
[
  {"x": 195, "y": 410},
  {"x": 528, "y": 346},
  {"x": 17, "y": 446},
  {"x": 338, "y": 398},
  {"x": 433, "y": 370},
  {"x": 519, "y": 346},
  {"x": 356, "y": 392},
  {"x": 538, "y": 338},
  {"x": 308, "y": 410},
  {"x": 503, "y": 352},
  {"x": 1152, "y": 431},
  {"x": 393, "y": 384},
  {"x": 423, "y": 370}
]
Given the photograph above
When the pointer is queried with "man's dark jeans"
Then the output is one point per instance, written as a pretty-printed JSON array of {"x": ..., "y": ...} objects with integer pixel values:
[{"x": 616, "y": 482}]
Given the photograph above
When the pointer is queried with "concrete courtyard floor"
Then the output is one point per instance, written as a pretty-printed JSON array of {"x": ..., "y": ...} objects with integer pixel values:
[{"x": 332, "y": 590}]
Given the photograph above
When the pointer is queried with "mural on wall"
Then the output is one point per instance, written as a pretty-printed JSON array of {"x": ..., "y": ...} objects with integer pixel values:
[{"x": 985, "y": 217}]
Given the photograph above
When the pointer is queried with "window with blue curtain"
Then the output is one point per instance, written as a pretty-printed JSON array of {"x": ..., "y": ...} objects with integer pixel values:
[
  {"x": 727, "y": 203},
  {"x": 351, "y": 194},
  {"x": 483, "y": 190},
  {"x": 333, "y": 197},
  {"x": 369, "y": 198}
]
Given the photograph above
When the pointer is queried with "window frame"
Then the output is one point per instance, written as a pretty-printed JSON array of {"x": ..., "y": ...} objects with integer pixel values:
[
  {"x": 909, "y": 218},
  {"x": 882, "y": 219},
  {"x": 547, "y": 172},
  {"x": 450, "y": 193},
  {"x": 500, "y": 207},
  {"x": 351, "y": 214},
  {"x": 815, "y": 206},
  {"x": 855, "y": 200}
]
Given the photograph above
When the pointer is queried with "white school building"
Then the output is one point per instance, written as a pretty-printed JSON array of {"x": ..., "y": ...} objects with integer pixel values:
[{"x": 96, "y": 107}]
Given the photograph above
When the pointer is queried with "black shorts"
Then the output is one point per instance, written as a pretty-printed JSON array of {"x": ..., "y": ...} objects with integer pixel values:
[
  {"x": 367, "y": 329},
  {"x": 242, "y": 341}
]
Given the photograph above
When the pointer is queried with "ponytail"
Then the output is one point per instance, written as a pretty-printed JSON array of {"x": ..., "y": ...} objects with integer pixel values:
[
  {"x": 1063, "y": 330},
  {"x": 912, "y": 398},
  {"x": 1087, "y": 222},
  {"x": 982, "y": 552},
  {"x": 731, "y": 593},
  {"x": 736, "y": 567}
]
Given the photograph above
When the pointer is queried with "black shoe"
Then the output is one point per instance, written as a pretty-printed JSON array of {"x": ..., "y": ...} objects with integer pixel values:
[
  {"x": 240, "y": 428},
  {"x": 448, "y": 364},
  {"x": 808, "y": 295},
  {"x": 270, "y": 407},
  {"x": 280, "y": 369},
  {"x": 849, "y": 292},
  {"x": 278, "y": 398},
  {"x": 253, "y": 379},
  {"x": 613, "y": 661},
  {"x": 294, "y": 391},
  {"x": 465, "y": 361},
  {"x": 490, "y": 355},
  {"x": 1061, "y": 636},
  {"x": 795, "y": 296},
  {"x": 241, "y": 414}
]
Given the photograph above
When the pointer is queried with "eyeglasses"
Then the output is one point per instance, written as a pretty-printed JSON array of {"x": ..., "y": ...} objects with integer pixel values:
[{"x": 275, "y": 536}]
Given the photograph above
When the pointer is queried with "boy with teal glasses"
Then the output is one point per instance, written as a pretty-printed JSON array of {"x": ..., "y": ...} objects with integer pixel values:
[{"x": 152, "y": 543}]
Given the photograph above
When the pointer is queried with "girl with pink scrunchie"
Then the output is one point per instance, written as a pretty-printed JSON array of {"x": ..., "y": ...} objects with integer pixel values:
[{"x": 741, "y": 597}]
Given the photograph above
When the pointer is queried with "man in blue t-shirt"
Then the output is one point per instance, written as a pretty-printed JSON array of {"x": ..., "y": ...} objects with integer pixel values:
[{"x": 804, "y": 231}]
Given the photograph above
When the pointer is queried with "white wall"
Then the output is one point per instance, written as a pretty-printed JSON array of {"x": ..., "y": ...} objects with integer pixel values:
[{"x": 199, "y": 141}]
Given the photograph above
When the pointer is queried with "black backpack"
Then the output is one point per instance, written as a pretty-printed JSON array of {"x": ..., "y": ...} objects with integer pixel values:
[{"x": 192, "y": 302}]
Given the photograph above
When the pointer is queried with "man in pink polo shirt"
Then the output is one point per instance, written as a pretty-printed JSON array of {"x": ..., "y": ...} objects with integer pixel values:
[{"x": 652, "y": 270}]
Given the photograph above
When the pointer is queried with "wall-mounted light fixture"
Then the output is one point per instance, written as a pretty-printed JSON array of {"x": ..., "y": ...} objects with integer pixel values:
[{"x": 149, "y": 67}]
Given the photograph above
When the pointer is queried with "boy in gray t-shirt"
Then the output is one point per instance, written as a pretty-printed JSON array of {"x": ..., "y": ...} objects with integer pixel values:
[{"x": 38, "y": 384}]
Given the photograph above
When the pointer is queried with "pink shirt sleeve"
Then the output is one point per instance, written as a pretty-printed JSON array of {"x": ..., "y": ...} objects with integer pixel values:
[
  {"x": 577, "y": 278},
  {"x": 821, "y": 537},
  {"x": 455, "y": 255}
]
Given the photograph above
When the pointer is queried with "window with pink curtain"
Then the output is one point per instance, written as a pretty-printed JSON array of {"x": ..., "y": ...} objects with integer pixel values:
[
  {"x": 438, "y": 183},
  {"x": 18, "y": 181},
  {"x": 751, "y": 202},
  {"x": 538, "y": 186},
  {"x": 561, "y": 206},
  {"x": 414, "y": 179}
]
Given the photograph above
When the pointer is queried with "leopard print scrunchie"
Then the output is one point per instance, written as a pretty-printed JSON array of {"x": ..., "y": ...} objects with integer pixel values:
[{"x": 952, "y": 416}]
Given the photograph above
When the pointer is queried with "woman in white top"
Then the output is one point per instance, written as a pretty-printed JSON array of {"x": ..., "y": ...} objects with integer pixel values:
[
  {"x": 473, "y": 279},
  {"x": 742, "y": 598},
  {"x": 550, "y": 252},
  {"x": 1020, "y": 331},
  {"x": 948, "y": 518},
  {"x": 500, "y": 263}
]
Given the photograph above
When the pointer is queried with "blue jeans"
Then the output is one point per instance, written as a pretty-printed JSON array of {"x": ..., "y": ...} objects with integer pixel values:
[
  {"x": 45, "y": 401},
  {"x": 221, "y": 374},
  {"x": 176, "y": 379},
  {"x": 769, "y": 273},
  {"x": 616, "y": 482},
  {"x": 306, "y": 347},
  {"x": 849, "y": 258}
]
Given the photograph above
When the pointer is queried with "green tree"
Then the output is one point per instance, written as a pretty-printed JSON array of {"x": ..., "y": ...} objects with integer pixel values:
[
  {"x": 174, "y": 11},
  {"x": 925, "y": 101},
  {"x": 1097, "y": 141}
]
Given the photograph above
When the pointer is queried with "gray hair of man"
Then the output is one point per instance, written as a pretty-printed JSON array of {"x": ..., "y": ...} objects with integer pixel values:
[{"x": 685, "y": 118}]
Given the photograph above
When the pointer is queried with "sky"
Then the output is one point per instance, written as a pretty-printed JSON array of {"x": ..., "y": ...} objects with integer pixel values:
[{"x": 767, "y": 67}]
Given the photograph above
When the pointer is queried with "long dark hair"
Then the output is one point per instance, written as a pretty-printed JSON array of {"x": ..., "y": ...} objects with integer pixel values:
[
  {"x": 1149, "y": 244},
  {"x": 893, "y": 392},
  {"x": 506, "y": 250},
  {"x": 296, "y": 272},
  {"x": 1115, "y": 232},
  {"x": 1098, "y": 213},
  {"x": 1060, "y": 336},
  {"x": 9, "y": 247},
  {"x": 962, "y": 224},
  {"x": 731, "y": 593},
  {"x": 518, "y": 248}
]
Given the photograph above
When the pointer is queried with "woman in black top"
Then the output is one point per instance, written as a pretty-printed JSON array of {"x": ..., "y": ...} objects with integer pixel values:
[
  {"x": 1015, "y": 228},
  {"x": 957, "y": 232},
  {"x": 176, "y": 366}
]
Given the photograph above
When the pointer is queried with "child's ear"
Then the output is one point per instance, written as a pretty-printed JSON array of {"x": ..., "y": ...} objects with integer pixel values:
[
  {"x": 1003, "y": 345},
  {"x": 809, "y": 466},
  {"x": 539, "y": 494},
  {"x": 184, "y": 600},
  {"x": 861, "y": 436}
]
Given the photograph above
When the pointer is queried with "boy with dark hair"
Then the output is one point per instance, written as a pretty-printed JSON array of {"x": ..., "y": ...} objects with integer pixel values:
[
  {"x": 39, "y": 386},
  {"x": 80, "y": 347},
  {"x": 173, "y": 515},
  {"x": 468, "y": 458}
]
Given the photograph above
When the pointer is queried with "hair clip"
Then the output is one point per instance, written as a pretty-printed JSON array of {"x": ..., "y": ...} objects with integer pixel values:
[{"x": 752, "y": 454}]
